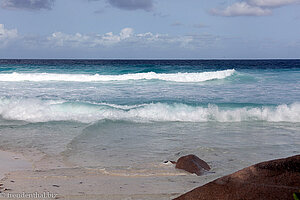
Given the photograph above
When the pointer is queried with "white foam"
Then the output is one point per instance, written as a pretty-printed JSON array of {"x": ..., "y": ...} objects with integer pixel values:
[
  {"x": 123, "y": 107},
  {"x": 33, "y": 110},
  {"x": 176, "y": 77}
]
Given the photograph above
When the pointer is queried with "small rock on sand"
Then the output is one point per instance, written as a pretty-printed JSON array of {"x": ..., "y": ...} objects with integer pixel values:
[{"x": 192, "y": 164}]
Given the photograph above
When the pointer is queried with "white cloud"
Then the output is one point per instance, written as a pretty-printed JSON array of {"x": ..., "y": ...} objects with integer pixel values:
[
  {"x": 252, "y": 7},
  {"x": 126, "y": 33},
  {"x": 126, "y": 37},
  {"x": 76, "y": 40},
  {"x": 242, "y": 9},
  {"x": 7, "y": 35},
  {"x": 272, "y": 3},
  {"x": 61, "y": 39}
]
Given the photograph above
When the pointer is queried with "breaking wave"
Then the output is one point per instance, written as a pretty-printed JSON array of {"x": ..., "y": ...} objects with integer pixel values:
[
  {"x": 33, "y": 110},
  {"x": 176, "y": 77}
]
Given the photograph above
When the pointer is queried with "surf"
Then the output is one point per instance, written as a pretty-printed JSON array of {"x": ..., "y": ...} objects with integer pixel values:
[
  {"x": 174, "y": 77},
  {"x": 34, "y": 110}
]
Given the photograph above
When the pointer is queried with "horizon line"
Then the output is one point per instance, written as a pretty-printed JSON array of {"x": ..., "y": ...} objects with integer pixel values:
[{"x": 149, "y": 58}]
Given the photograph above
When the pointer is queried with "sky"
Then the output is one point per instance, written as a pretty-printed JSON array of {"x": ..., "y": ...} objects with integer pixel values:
[{"x": 149, "y": 29}]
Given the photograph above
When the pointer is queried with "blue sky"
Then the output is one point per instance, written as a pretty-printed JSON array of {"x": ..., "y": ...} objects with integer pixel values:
[{"x": 149, "y": 29}]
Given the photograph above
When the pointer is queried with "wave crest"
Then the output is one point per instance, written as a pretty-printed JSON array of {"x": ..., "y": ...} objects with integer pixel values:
[
  {"x": 33, "y": 110},
  {"x": 176, "y": 77}
]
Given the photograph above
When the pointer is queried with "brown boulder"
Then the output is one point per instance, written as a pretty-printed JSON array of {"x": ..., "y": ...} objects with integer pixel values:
[
  {"x": 192, "y": 164},
  {"x": 271, "y": 180}
]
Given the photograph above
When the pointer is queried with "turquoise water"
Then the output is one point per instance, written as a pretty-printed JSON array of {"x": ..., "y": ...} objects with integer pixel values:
[{"x": 134, "y": 114}]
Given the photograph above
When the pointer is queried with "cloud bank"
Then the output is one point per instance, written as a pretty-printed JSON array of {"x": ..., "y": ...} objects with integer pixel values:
[
  {"x": 146, "y": 5},
  {"x": 7, "y": 35},
  {"x": 252, "y": 8},
  {"x": 129, "y": 44},
  {"x": 125, "y": 38},
  {"x": 27, "y": 4}
]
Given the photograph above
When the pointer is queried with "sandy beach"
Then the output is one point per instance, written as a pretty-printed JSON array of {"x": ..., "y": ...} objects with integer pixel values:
[
  {"x": 12, "y": 162},
  {"x": 20, "y": 177},
  {"x": 21, "y": 180}
]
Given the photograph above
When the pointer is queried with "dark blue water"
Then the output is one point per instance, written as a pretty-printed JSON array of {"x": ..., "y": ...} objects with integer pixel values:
[{"x": 140, "y": 66}]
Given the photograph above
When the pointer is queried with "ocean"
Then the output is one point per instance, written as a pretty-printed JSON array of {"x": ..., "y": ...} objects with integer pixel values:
[{"x": 127, "y": 117}]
